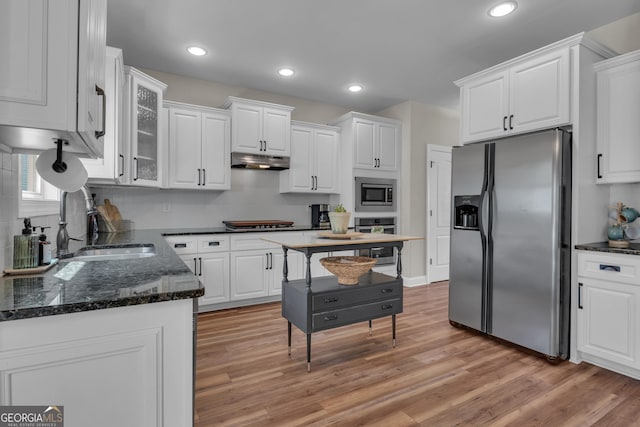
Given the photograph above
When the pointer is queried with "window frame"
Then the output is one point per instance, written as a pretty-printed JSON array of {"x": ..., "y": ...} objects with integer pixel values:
[{"x": 42, "y": 203}]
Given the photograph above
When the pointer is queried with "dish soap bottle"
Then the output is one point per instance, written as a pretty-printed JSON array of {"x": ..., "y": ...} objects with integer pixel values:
[
  {"x": 25, "y": 248},
  {"x": 44, "y": 248}
]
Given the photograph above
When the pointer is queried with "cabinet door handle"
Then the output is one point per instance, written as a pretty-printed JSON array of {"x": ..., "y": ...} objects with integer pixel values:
[
  {"x": 204, "y": 177},
  {"x": 510, "y": 120},
  {"x": 315, "y": 181},
  {"x": 195, "y": 266},
  {"x": 504, "y": 123},
  {"x": 599, "y": 174},
  {"x": 135, "y": 168},
  {"x": 609, "y": 267},
  {"x": 265, "y": 145},
  {"x": 100, "y": 92},
  {"x": 386, "y": 290},
  {"x": 199, "y": 176},
  {"x": 270, "y": 260},
  {"x": 580, "y": 296},
  {"x": 331, "y": 317},
  {"x": 331, "y": 299},
  {"x": 200, "y": 272},
  {"x": 386, "y": 306},
  {"x": 121, "y": 165}
]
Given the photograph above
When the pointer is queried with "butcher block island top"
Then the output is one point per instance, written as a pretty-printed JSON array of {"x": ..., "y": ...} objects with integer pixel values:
[{"x": 350, "y": 239}]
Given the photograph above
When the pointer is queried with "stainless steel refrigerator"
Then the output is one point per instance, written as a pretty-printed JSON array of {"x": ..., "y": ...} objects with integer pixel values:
[{"x": 510, "y": 240}]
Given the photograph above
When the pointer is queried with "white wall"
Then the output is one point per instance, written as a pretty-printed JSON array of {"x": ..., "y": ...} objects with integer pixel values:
[{"x": 422, "y": 124}]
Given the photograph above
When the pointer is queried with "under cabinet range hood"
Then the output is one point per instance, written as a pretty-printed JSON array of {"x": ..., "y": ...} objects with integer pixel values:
[{"x": 259, "y": 161}]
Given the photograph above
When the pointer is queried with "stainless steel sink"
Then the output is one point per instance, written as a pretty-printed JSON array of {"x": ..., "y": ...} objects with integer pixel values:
[{"x": 114, "y": 253}]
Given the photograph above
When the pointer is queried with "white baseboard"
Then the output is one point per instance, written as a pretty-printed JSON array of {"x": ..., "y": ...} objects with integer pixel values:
[{"x": 410, "y": 282}]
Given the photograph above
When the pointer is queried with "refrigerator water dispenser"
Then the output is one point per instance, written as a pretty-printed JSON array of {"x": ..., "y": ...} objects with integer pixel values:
[{"x": 466, "y": 210}]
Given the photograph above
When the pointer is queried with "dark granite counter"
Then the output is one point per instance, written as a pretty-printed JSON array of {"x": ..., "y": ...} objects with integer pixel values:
[
  {"x": 633, "y": 249},
  {"x": 73, "y": 286}
]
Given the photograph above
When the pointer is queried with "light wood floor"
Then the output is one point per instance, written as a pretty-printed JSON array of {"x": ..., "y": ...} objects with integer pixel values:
[{"x": 437, "y": 375}]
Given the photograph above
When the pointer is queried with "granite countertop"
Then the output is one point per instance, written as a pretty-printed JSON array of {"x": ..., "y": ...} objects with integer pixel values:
[
  {"x": 74, "y": 286},
  {"x": 633, "y": 249}
]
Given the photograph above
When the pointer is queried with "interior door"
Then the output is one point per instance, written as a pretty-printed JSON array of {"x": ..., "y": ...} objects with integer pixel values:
[{"x": 438, "y": 212}]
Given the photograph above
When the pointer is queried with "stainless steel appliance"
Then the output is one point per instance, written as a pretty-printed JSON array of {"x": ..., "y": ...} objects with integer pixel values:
[
  {"x": 375, "y": 194},
  {"x": 320, "y": 216},
  {"x": 257, "y": 224},
  {"x": 510, "y": 240},
  {"x": 384, "y": 255}
]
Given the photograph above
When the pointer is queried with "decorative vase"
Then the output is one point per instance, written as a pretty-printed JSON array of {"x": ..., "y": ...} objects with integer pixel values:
[{"x": 339, "y": 222}]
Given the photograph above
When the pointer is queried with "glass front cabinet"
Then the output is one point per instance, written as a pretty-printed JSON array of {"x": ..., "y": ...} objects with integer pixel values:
[{"x": 145, "y": 124}]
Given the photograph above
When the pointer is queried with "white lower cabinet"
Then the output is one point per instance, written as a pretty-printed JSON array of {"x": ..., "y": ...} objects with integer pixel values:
[
  {"x": 257, "y": 266},
  {"x": 608, "y": 301},
  {"x": 207, "y": 256},
  {"x": 138, "y": 359}
]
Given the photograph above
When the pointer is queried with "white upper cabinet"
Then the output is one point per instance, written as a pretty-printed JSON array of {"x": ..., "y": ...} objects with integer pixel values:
[
  {"x": 618, "y": 100},
  {"x": 259, "y": 127},
  {"x": 199, "y": 139},
  {"x": 145, "y": 126},
  {"x": 52, "y": 77},
  {"x": 111, "y": 168},
  {"x": 529, "y": 93},
  {"x": 375, "y": 141},
  {"x": 314, "y": 160}
]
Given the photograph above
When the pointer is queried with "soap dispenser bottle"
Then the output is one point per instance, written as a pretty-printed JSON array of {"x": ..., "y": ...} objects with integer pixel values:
[
  {"x": 44, "y": 248},
  {"x": 25, "y": 248}
]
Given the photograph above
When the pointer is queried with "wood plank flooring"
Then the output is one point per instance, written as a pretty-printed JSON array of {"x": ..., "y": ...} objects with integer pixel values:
[{"x": 437, "y": 375}]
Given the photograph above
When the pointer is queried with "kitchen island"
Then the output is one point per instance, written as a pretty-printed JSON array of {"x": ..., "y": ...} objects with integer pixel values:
[
  {"x": 110, "y": 340},
  {"x": 320, "y": 304}
]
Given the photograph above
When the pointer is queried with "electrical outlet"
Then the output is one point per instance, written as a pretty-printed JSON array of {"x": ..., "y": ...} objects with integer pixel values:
[{"x": 166, "y": 207}]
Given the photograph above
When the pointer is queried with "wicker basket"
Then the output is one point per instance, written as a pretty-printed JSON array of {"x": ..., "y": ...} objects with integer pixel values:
[{"x": 348, "y": 269}]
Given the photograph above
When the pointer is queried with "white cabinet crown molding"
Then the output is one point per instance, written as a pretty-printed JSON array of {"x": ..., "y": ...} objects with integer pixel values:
[
  {"x": 356, "y": 115},
  {"x": 231, "y": 99},
  {"x": 578, "y": 39},
  {"x": 175, "y": 104}
]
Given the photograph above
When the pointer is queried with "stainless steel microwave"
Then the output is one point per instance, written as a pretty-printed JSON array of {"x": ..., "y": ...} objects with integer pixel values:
[{"x": 375, "y": 195}]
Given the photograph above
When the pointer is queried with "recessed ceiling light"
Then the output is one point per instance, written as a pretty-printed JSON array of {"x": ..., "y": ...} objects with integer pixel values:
[
  {"x": 503, "y": 9},
  {"x": 196, "y": 50},
  {"x": 355, "y": 88},
  {"x": 286, "y": 71}
]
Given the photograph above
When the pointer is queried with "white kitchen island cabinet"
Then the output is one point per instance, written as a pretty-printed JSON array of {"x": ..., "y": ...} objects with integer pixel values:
[
  {"x": 618, "y": 101},
  {"x": 145, "y": 124},
  {"x": 528, "y": 93},
  {"x": 52, "y": 76},
  {"x": 259, "y": 127},
  {"x": 199, "y": 143},
  {"x": 608, "y": 318},
  {"x": 314, "y": 160}
]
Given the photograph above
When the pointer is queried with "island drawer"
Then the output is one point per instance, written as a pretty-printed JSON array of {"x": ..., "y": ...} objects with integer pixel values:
[
  {"x": 359, "y": 294},
  {"x": 356, "y": 313}
]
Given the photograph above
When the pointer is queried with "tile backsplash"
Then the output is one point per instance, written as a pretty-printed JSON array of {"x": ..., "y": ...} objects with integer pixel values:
[
  {"x": 11, "y": 224},
  {"x": 253, "y": 195}
]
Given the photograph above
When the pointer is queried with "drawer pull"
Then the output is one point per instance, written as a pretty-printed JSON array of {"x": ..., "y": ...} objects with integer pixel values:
[
  {"x": 608, "y": 267},
  {"x": 180, "y": 245},
  {"x": 214, "y": 243},
  {"x": 332, "y": 317},
  {"x": 330, "y": 299},
  {"x": 387, "y": 306},
  {"x": 386, "y": 291}
]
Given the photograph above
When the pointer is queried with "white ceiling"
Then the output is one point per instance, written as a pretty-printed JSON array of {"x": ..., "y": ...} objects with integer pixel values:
[{"x": 398, "y": 49}]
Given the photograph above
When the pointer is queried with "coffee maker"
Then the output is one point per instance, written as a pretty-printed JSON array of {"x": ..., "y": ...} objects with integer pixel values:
[{"x": 320, "y": 216}]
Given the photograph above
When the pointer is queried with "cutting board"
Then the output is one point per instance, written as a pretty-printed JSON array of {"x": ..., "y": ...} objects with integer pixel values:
[{"x": 112, "y": 211}]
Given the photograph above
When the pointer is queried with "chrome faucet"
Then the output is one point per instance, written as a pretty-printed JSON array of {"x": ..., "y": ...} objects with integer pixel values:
[{"x": 62, "y": 239}]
